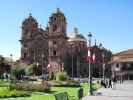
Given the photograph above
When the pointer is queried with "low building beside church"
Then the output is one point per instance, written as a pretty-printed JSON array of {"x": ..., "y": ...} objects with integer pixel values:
[{"x": 122, "y": 64}]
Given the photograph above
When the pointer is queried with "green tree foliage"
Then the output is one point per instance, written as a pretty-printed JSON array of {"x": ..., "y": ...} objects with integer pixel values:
[
  {"x": 17, "y": 73},
  {"x": 30, "y": 69}
]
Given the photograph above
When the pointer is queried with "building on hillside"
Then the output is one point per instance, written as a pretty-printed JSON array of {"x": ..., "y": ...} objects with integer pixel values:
[{"x": 122, "y": 64}]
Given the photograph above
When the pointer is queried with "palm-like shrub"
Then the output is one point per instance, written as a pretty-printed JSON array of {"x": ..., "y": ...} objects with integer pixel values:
[{"x": 30, "y": 70}]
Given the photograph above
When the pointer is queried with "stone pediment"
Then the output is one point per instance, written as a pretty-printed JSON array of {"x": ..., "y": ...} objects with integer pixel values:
[{"x": 41, "y": 35}]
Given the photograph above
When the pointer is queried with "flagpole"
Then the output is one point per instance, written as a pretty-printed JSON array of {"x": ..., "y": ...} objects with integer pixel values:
[{"x": 89, "y": 54}]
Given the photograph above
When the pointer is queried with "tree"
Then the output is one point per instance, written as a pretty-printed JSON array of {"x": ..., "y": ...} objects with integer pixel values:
[
  {"x": 2, "y": 59},
  {"x": 18, "y": 74},
  {"x": 30, "y": 70}
]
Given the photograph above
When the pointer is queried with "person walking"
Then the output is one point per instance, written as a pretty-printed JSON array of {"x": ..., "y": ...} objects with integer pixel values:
[
  {"x": 114, "y": 82},
  {"x": 110, "y": 83}
]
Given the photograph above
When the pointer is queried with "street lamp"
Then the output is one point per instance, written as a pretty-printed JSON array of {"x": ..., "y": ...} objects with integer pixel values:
[
  {"x": 103, "y": 64},
  {"x": 90, "y": 77},
  {"x": 11, "y": 71}
]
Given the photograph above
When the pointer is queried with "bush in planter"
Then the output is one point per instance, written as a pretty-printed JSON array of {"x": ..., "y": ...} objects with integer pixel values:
[{"x": 61, "y": 76}]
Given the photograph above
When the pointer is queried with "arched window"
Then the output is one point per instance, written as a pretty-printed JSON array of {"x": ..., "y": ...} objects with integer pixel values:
[
  {"x": 54, "y": 28},
  {"x": 117, "y": 65},
  {"x": 54, "y": 42},
  {"x": 25, "y": 55},
  {"x": 54, "y": 52}
]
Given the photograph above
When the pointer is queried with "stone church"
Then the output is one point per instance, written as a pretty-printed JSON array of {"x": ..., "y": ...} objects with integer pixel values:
[{"x": 49, "y": 47}]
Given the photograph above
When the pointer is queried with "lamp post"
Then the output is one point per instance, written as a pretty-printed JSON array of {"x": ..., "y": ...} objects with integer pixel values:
[
  {"x": 90, "y": 77},
  {"x": 11, "y": 64},
  {"x": 11, "y": 71}
]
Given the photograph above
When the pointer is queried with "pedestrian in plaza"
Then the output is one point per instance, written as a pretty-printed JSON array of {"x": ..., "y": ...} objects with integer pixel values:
[
  {"x": 103, "y": 84},
  {"x": 121, "y": 80},
  {"x": 110, "y": 83},
  {"x": 114, "y": 82},
  {"x": 107, "y": 83}
]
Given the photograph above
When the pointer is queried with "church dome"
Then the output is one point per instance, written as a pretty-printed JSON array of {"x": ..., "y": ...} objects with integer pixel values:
[
  {"x": 80, "y": 36},
  {"x": 30, "y": 19},
  {"x": 77, "y": 37},
  {"x": 57, "y": 12}
]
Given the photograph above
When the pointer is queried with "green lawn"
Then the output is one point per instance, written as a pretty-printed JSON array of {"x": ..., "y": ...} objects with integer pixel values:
[
  {"x": 34, "y": 95},
  {"x": 71, "y": 91},
  {"x": 4, "y": 83}
]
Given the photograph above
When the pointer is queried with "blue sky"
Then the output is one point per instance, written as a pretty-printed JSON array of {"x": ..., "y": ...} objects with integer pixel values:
[{"x": 110, "y": 21}]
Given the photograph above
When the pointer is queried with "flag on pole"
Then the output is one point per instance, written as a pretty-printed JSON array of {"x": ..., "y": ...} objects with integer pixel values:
[
  {"x": 48, "y": 66},
  {"x": 93, "y": 57},
  {"x": 89, "y": 53}
]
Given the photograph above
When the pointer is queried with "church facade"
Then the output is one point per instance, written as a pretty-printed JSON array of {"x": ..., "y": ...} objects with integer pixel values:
[{"x": 48, "y": 47}]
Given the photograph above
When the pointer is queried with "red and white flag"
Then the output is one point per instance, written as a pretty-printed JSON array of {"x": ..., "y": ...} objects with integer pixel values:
[
  {"x": 93, "y": 57},
  {"x": 48, "y": 66},
  {"x": 89, "y": 53}
]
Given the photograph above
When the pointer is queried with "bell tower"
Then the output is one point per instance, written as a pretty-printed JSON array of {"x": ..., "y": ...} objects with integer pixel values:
[
  {"x": 57, "y": 39},
  {"x": 29, "y": 26},
  {"x": 57, "y": 23}
]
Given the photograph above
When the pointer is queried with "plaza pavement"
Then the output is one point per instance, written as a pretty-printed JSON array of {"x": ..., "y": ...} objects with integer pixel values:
[{"x": 121, "y": 92}]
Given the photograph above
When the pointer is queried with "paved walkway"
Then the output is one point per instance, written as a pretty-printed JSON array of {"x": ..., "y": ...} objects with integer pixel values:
[{"x": 121, "y": 92}]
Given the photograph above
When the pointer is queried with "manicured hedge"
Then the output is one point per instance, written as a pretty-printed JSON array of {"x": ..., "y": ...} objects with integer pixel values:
[
  {"x": 67, "y": 83},
  {"x": 42, "y": 87},
  {"x": 13, "y": 93}
]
